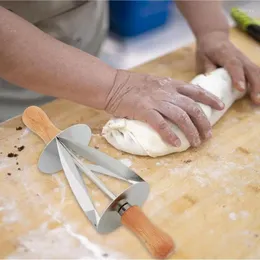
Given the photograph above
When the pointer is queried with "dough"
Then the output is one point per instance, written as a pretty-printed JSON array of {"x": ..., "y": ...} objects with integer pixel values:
[{"x": 138, "y": 138}]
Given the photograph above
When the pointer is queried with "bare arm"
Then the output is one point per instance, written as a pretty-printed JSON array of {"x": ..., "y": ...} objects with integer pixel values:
[
  {"x": 204, "y": 16},
  {"x": 36, "y": 61}
]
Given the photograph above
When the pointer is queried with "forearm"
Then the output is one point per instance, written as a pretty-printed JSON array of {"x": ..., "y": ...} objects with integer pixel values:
[
  {"x": 36, "y": 61},
  {"x": 204, "y": 16}
]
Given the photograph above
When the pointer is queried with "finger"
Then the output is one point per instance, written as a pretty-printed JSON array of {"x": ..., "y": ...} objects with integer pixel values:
[
  {"x": 235, "y": 68},
  {"x": 179, "y": 117},
  {"x": 199, "y": 94},
  {"x": 226, "y": 57},
  {"x": 161, "y": 126},
  {"x": 253, "y": 76},
  {"x": 199, "y": 62},
  {"x": 208, "y": 66},
  {"x": 196, "y": 113}
]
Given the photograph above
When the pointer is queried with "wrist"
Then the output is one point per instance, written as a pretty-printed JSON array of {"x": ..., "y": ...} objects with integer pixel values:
[
  {"x": 222, "y": 32},
  {"x": 114, "y": 95},
  {"x": 99, "y": 84},
  {"x": 219, "y": 34}
]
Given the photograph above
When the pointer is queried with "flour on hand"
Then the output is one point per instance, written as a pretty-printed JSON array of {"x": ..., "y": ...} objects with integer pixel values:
[{"x": 138, "y": 138}]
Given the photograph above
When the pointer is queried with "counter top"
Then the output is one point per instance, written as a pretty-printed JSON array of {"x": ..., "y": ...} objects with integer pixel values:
[{"x": 207, "y": 199}]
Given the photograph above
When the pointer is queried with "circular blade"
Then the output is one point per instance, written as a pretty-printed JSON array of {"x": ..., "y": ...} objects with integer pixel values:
[
  {"x": 110, "y": 220},
  {"x": 49, "y": 161}
]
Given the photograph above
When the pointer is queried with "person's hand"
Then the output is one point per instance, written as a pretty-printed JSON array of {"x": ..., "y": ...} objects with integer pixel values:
[
  {"x": 158, "y": 101},
  {"x": 215, "y": 50}
]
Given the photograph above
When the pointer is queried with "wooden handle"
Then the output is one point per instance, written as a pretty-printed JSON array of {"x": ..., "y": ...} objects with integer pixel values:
[
  {"x": 158, "y": 243},
  {"x": 38, "y": 122}
]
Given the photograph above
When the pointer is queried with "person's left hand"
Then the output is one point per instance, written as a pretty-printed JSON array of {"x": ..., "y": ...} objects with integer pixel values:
[{"x": 215, "y": 50}]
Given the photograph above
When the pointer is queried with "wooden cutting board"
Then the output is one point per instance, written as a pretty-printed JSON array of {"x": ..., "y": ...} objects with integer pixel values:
[{"x": 207, "y": 199}]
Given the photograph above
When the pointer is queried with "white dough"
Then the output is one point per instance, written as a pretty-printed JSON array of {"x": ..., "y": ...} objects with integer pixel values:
[{"x": 138, "y": 138}]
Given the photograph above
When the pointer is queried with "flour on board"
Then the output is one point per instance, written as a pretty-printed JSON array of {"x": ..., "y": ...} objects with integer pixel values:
[
  {"x": 233, "y": 216},
  {"x": 127, "y": 162},
  {"x": 5, "y": 163},
  {"x": 164, "y": 162},
  {"x": 61, "y": 242},
  {"x": 44, "y": 243},
  {"x": 244, "y": 214},
  {"x": 62, "y": 187},
  {"x": 56, "y": 190},
  {"x": 26, "y": 131},
  {"x": 8, "y": 208},
  {"x": 241, "y": 214},
  {"x": 218, "y": 170}
]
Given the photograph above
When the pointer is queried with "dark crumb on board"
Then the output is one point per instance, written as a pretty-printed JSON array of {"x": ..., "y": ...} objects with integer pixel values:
[
  {"x": 188, "y": 161},
  {"x": 15, "y": 146},
  {"x": 97, "y": 147},
  {"x": 20, "y": 148},
  {"x": 254, "y": 188},
  {"x": 223, "y": 206},
  {"x": 105, "y": 255},
  {"x": 9, "y": 173},
  {"x": 1, "y": 153},
  {"x": 10, "y": 155},
  {"x": 37, "y": 194},
  {"x": 19, "y": 169},
  {"x": 243, "y": 150},
  {"x": 256, "y": 235},
  {"x": 19, "y": 128},
  {"x": 17, "y": 163}
]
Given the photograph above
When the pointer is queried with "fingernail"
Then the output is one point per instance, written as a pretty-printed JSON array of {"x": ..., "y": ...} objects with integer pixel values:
[
  {"x": 177, "y": 143},
  {"x": 257, "y": 97},
  {"x": 222, "y": 105},
  {"x": 242, "y": 85},
  {"x": 208, "y": 134}
]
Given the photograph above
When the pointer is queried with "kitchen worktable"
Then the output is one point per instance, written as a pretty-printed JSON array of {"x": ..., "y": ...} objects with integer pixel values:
[{"x": 207, "y": 199}]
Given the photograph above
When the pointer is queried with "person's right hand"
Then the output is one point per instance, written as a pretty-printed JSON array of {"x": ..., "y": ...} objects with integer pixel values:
[{"x": 158, "y": 101}]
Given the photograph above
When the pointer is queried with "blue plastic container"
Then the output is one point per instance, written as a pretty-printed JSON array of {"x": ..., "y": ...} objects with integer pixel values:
[{"x": 133, "y": 17}]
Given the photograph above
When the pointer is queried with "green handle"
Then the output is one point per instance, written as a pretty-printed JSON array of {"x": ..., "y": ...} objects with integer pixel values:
[{"x": 242, "y": 19}]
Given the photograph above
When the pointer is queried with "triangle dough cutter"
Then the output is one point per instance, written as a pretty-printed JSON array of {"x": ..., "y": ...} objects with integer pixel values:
[{"x": 61, "y": 153}]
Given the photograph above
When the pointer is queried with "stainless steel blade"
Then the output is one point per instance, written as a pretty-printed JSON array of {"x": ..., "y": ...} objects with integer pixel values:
[
  {"x": 90, "y": 174},
  {"x": 49, "y": 161},
  {"x": 77, "y": 184},
  {"x": 110, "y": 219},
  {"x": 101, "y": 170},
  {"x": 114, "y": 166}
]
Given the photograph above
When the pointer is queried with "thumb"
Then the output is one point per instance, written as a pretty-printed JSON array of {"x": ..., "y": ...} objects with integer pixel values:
[
  {"x": 204, "y": 64},
  {"x": 208, "y": 65}
]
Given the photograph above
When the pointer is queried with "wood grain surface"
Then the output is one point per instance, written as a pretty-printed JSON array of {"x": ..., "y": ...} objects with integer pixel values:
[{"x": 207, "y": 199}]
